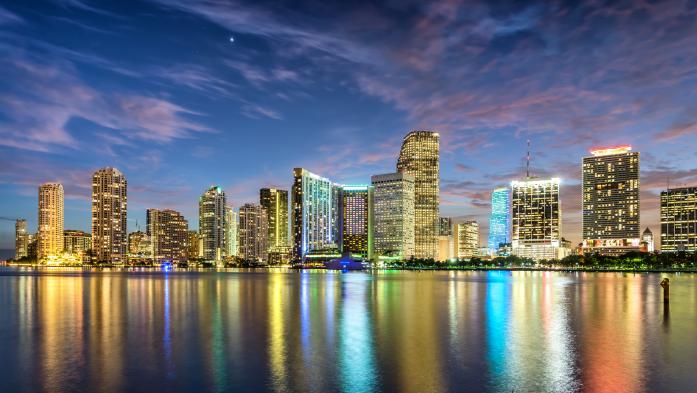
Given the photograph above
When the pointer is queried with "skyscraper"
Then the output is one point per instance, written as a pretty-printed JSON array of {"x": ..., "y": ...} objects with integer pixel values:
[
  {"x": 357, "y": 220},
  {"x": 211, "y": 223},
  {"x": 393, "y": 209},
  {"x": 50, "y": 231},
  {"x": 275, "y": 202},
  {"x": 109, "y": 214},
  {"x": 499, "y": 221},
  {"x": 446, "y": 241},
  {"x": 679, "y": 219},
  {"x": 231, "y": 231},
  {"x": 168, "y": 231},
  {"x": 77, "y": 242},
  {"x": 467, "y": 238},
  {"x": 254, "y": 233},
  {"x": 419, "y": 157},
  {"x": 611, "y": 201},
  {"x": 21, "y": 239},
  {"x": 314, "y": 212},
  {"x": 536, "y": 219}
]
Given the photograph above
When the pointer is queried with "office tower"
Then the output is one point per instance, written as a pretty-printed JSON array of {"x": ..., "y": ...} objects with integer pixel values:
[
  {"x": 357, "y": 220},
  {"x": 275, "y": 202},
  {"x": 194, "y": 247},
  {"x": 254, "y": 233},
  {"x": 231, "y": 223},
  {"x": 467, "y": 238},
  {"x": 647, "y": 240},
  {"x": 211, "y": 223},
  {"x": 21, "y": 239},
  {"x": 445, "y": 226},
  {"x": 499, "y": 221},
  {"x": 393, "y": 209},
  {"x": 536, "y": 219},
  {"x": 446, "y": 243},
  {"x": 611, "y": 201},
  {"x": 419, "y": 157},
  {"x": 679, "y": 219},
  {"x": 109, "y": 214},
  {"x": 314, "y": 213},
  {"x": 168, "y": 232},
  {"x": 77, "y": 242},
  {"x": 32, "y": 246},
  {"x": 50, "y": 233}
]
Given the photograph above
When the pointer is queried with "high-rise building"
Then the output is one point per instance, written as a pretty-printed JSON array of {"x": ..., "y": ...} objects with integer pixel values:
[
  {"x": 21, "y": 239},
  {"x": 109, "y": 215},
  {"x": 445, "y": 227},
  {"x": 679, "y": 219},
  {"x": 211, "y": 223},
  {"x": 275, "y": 202},
  {"x": 314, "y": 213},
  {"x": 357, "y": 220},
  {"x": 536, "y": 219},
  {"x": 168, "y": 231},
  {"x": 393, "y": 210},
  {"x": 194, "y": 247},
  {"x": 254, "y": 233},
  {"x": 467, "y": 239},
  {"x": 50, "y": 233},
  {"x": 647, "y": 244},
  {"x": 611, "y": 201},
  {"x": 446, "y": 241},
  {"x": 231, "y": 236},
  {"x": 77, "y": 242},
  {"x": 500, "y": 219},
  {"x": 140, "y": 245},
  {"x": 419, "y": 156}
]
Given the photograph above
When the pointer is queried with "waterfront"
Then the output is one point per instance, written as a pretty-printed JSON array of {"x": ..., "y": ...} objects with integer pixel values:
[{"x": 284, "y": 330}]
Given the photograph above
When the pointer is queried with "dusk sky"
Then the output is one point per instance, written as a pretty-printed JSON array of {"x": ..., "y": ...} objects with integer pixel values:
[{"x": 159, "y": 90}]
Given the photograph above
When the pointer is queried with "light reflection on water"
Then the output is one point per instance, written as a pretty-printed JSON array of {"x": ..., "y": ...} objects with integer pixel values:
[{"x": 291, "y": 331}]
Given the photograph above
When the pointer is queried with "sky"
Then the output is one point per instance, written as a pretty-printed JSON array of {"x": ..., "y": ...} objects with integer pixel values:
[{"x": 182, "y": 94}]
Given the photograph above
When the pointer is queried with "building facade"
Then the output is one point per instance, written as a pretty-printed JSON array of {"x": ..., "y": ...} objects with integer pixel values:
[
  {"x": 647, "y": 242},
  {"x": 536, "y": 219},
  {"x": 611, "y": 201},
  {"x": 275, "y": 202},
  {"x": 420, "y": 157},
  {"x": 393, "y": 210},
  {"x": 467, "y": 239},
  {"x": 500, "y": 219},
  {"x": 168, "y": 231},
  {"x": 254, "y": 233},
  {"x": 211, "y": 224},
  {"x": 679, "y": 219},
  {"x": 140, "y": 246},
  {"x": 315, "y": 218},
  {"x": 357, "y": 220},
  {"x": 50, "y": 231},
  {"x": 77, "y": 243},
  {"x": 231, "y": 232},
  {"x": 21, "y": 239},
  {"x": 194, "y": 246},
  {"x": 109, "y": 215}
]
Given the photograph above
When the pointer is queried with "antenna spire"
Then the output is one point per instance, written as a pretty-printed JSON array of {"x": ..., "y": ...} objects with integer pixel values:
[{"x": 527, "y": 163}]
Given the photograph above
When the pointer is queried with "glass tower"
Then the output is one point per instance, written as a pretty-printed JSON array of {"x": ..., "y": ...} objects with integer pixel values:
[
  {"x": 679, "y": 219},
  {"x": 314, "y": 213},
  {"x": 357, "y": 220},
  {"x": 500, "y": 219},
  {"x": 211, "y": 223},
  {"x": 393, "y": 208}
]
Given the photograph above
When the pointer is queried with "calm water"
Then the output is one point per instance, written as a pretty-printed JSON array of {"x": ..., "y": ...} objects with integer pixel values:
[{"x": 354, "y": 332}]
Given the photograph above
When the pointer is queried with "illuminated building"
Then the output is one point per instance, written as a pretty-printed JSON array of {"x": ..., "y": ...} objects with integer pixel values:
[
  {"x": 32, "y": 246},
  {"x": 647, "y": 244},
  {"x": 419, "y": 156},
  {"x": 393, "y": 209},
  {"x": 315, "y": 219},
  {"x": 50, "y": 233},
  {"x": 467, "y": 239},
  {"x": 679, "y": 219},
  {"x": 536, "y": 219},
  {"x": 77, "y": 243},
  {"x": 611, "y": 201},
  {"x": 211, "y": 223},
  {"x": 231, "y": 224},
  {"x": 139, "y": 245},
  {"x": 500, "y": 219},
  {"x": 254, "y": 233},
  {"x": 357, "y": 220},
  {"x": 21, "y": 239},
  {"x": 168, "y": 231},
  {"x": 193, "y": 246},
  {"x": 446, "y": 243},
  {"x": 445, "y": 226},
  {"x": 275, "y": 202},
  {"x": 109, "y": 214}
]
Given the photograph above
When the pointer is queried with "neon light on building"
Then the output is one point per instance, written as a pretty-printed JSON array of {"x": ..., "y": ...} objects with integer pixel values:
[{"x": 500, "y": 219}]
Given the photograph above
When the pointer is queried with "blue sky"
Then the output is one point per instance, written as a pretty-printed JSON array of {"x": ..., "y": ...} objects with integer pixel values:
[{"x": 158, "y": 90}]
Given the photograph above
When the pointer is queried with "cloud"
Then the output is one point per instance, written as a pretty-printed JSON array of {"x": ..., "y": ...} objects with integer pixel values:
[{"x": 8, "y": 18}]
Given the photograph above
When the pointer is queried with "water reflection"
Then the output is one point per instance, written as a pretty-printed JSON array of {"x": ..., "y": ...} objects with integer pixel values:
[{"x": 289, "y": 331}]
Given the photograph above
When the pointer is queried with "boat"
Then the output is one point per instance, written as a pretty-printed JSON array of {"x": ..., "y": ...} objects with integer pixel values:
[{"x": 346, "y": 263}]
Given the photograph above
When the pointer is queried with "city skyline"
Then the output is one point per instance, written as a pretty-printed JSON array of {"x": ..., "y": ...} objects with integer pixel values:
[{"x": 177, "y": 124}]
